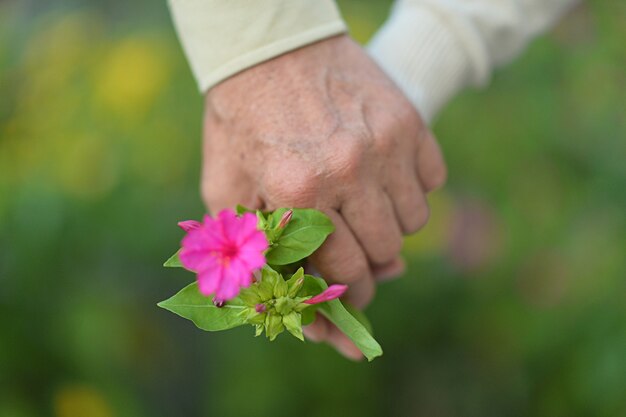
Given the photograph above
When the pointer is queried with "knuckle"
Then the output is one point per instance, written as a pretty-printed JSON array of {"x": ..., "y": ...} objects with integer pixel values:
[
  {"x": 361, "y": 294},
  {"x": 385, "y": 144},
  {"x": 293, "y": 186},
  {"x": 386, "y": 250},
  {"x": 346, "y": 158},
  {"x": 411, "y": 118},
  {"x": 350, "y": 269}
]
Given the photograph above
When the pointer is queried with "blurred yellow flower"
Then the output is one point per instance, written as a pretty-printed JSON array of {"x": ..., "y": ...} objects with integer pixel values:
[
  {"x": 80, "y": 401},
  {"x": 129, "y": 78}
]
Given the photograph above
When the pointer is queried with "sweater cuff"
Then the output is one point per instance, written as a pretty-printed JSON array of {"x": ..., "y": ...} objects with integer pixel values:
[
  {"x": 423, "y": 56},
  {"x": 223, "y": 37}
]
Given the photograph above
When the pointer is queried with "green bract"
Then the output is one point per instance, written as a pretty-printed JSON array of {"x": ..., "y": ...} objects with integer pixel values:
[{"x": 276, "y": 301}]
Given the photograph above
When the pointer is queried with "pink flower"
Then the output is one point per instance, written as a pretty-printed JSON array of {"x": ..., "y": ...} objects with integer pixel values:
[
  {"x": 224, "y": 252},
  {"x": 330, "y": 293}
]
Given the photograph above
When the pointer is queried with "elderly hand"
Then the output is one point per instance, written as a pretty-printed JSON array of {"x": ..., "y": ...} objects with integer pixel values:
[{"x": 324, "y": 127}]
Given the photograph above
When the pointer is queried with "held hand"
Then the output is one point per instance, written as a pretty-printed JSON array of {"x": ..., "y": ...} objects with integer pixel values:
[{"x": 323, "y": 127}]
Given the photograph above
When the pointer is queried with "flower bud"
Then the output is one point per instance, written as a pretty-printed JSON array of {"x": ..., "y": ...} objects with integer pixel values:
[
  {"x": 269, "y": 275},
  {"x": 293, "y": 280},
  {"x": 280, "y": 288},
  {"x": 292, "y": 322},
  {"x": 285, "y": 219},
  {"x": 260, "y": 308},
  {"x": 295, "y": 287},
  {"x": 330, "y": 293},
  {"x": 269, "y": 278},
  {"x": 189, "y": 225},
  {"x": 262, "y": 222},
  {"x": 273, "y": 326},
  {"x": 284, "y": 305},
  {"x": 218, "y": 303},
  {"x": 266, "y": 291}
]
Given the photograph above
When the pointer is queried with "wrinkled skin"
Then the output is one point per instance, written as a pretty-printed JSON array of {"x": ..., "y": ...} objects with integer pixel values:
[{"x": 324, "y": 127}]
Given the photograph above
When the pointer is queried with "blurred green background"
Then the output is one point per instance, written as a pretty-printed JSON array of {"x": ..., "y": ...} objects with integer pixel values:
[{"x": 514, "y": 303}]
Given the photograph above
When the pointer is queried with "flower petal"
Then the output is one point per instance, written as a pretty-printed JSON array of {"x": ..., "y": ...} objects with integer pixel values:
[
  {"x": 236, "y": 275},
  {"x": 251, "y": 257},
  {"x": 230, "y": 225},
  {"x": 241, "y": 273},
  {"x": 210, "y": 280},
  {"x": 256, "y": 241},
  {"x": 192, "y": 259},
  {"x": 249, "y": 222},
  {"x": 198, "y": 250}
]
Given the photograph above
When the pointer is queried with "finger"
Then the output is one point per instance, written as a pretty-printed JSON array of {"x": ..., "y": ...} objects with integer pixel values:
[
  {"x": 372, "y": 219},
  {"x": 360, "y": 293},
  {"x": 431, "y": 167},
  {"x": 318, "y": 330},
  {"x": 341, "y": 259},
  {"x": 344, "y": 345},
  {"x": 390, "y": 271},
  {"x": 409, "y": 201}
]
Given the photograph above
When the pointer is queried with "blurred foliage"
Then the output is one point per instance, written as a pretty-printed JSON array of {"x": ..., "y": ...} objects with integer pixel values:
[{"x": 514, "y": 303}]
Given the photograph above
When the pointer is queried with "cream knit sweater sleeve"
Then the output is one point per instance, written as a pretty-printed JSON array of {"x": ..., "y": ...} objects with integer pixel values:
[
  {"x": 223, "y": 37},
  {"x": 430, "y": 48},
  {"x": 434, "y": 48}
]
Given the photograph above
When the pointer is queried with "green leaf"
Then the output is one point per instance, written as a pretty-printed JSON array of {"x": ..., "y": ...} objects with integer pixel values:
[
  {"x": 339, "y": 316},
  {"x": 174, "y": 261},
  {"x": 312, "y": 286},
  {"x": 360, "y": 316},
  {"x": 335, "y": 312},
  {"x": 306, "y": 232},
  {"x": 189, "y": 303}
]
